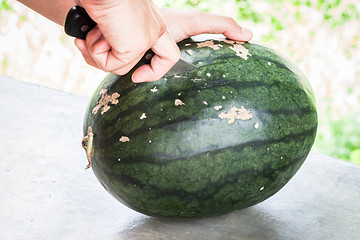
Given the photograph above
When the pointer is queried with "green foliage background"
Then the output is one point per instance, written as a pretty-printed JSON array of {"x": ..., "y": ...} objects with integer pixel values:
[
  {"x": 4, "y": 5},
  {"x": 246, "y": 12}
]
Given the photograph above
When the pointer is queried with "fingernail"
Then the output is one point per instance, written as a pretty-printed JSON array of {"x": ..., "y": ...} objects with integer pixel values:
[
  {"x": 247, "y": 34},
  {"x": 138, "y": 77},
  {"x": 135, "y": 79}
]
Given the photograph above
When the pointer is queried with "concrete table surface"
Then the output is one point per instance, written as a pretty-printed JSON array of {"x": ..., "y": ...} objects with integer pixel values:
[{"x": 45, "y": 193}]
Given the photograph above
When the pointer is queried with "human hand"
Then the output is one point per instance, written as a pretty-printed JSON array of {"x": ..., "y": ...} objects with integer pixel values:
[
  {"x": 98, "y": 50},
  {"x": 125, "y": 30},
  {"x": 183, "y": 24}
]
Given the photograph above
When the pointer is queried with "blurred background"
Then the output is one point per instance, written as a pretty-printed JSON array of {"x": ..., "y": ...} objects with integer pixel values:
[{"x": 321, "y": 36}]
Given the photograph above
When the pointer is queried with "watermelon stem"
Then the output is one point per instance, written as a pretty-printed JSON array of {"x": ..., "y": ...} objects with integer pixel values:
[{"x": 87, "y": 144}]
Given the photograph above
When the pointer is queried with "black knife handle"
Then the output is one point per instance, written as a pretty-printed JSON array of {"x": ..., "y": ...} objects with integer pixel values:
[{"x": 78, "y": 23}]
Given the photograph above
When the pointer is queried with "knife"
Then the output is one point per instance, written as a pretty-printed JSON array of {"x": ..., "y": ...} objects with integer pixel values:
[{"x": 78, "y": 23}]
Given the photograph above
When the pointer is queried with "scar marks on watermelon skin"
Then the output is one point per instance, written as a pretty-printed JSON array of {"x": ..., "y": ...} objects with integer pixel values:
[
  {"x": 105, "y": 100},
  {"x": 178, "y": 102},
  {"x": 189, "y": 52},
  {"x": 217, "y": 108},
  {"x": 237, "y": 47},
  {"x": 124, "y": 139},
  {"x": 154, "y": 90},
  {"x": 236, "y": 114},
  {"x": 143, "y": 116},
  {"x": 210, "y": 44}
]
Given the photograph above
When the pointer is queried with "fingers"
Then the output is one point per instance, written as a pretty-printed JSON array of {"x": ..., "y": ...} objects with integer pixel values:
[
  {"x": 184, "y": 24},
  {"x": 102, "y": 52},
  {"x": 98, "y": 53},
  {"x": 167, "y": 54},
  {"x": 212, "y": 23},
  {"x": 81, "y": 45}
]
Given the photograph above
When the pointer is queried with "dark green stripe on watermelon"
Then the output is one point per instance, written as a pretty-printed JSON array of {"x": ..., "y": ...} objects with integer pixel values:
[{"x": 172, "y": 147}]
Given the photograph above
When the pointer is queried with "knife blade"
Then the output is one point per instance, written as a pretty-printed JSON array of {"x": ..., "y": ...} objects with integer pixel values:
[{"x": 78, "y": 23}]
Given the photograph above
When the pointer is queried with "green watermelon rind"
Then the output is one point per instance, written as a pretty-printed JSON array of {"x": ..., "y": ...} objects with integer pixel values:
[{"x": 184, "y": 160}]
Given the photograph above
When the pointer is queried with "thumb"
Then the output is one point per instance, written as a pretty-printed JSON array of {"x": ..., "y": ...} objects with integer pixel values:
[
  {"x": 184, "y": 24},
  {"x": 217, "y": 24}
]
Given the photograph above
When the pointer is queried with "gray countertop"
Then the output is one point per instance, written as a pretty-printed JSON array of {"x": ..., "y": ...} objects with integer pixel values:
[{"x": 45, "y": 193}]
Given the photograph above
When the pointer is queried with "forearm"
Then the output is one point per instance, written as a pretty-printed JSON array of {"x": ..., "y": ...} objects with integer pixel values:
[{"x": 55, "y": 10}]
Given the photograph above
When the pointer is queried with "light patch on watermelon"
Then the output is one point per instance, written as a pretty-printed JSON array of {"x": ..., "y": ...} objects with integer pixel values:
[
  {"x": 256, "y": 126},
  {"x": 189, "y": 52},
  {"x": 238, "y": 48},
  {"x": 105, "y": 100},
  {"x": 143, "y": 116},
  {"x": 124, "y": 139},
  {"x": 236, "y": 114},
  {"x": 178, "y": 102},
  {"x": 210, "y": 44},
  {"x": 154, "y": 89},
  {"x": 217, "y": 108},
  {"x": 196, "y": 79}
]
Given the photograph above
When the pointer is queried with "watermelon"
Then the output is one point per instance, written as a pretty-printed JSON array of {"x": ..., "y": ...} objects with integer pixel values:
[{"x": 207, "y": 142}]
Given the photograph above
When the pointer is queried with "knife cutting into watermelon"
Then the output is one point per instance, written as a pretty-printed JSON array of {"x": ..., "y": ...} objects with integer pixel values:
[{"x": 78, "y": 23}]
